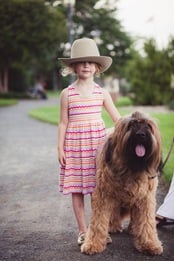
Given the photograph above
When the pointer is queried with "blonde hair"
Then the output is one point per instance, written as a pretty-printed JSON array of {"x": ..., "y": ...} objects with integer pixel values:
[{"x": 67, "y": 70}]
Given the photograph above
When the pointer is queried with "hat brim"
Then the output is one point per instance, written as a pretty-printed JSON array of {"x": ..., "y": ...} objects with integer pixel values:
[{"x": 104, "y": 61}]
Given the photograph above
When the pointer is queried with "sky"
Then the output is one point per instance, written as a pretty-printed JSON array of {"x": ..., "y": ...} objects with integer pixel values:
[{"x": 148, "y": 18}]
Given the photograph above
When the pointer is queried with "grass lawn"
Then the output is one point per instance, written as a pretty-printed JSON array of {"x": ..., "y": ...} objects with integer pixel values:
[
  {"x": 165, "y": 122},
  {"x": 8, "y": 102}
]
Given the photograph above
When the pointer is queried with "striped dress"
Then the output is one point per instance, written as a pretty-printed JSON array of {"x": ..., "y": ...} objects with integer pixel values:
[{"x": 85, "y": 133}]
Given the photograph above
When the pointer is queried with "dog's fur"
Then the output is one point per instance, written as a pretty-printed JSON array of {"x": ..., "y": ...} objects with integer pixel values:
[{"x": 126, "y": 185}]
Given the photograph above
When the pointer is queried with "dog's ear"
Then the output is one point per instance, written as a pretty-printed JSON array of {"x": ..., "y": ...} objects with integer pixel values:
[{"x": 108, "y": 151}]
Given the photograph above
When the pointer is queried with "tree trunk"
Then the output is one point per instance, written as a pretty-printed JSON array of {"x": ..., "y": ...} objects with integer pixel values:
[
  {"x": 4, "y": 81},
  {"x": 1, "y": 83}
]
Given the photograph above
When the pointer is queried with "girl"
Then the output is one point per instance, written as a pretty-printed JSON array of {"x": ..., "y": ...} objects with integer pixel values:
[{"x": 81, "y": 129}]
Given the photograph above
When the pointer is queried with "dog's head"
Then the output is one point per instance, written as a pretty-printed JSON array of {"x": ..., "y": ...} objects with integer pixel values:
[{"x": 136, "y": 139}]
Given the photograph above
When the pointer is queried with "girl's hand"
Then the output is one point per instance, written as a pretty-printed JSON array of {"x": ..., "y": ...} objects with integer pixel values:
[{"x": 62, "y": 158}]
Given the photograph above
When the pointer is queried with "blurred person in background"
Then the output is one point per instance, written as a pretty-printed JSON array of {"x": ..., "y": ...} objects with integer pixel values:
[{"x": 39, "y": 89}]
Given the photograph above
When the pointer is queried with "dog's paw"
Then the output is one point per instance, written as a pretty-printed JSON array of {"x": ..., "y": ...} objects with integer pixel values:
[
  {"x": 91, "y": 249},
  {"x": 156, "y": 250},
  {"x": 151, "y": 248}
]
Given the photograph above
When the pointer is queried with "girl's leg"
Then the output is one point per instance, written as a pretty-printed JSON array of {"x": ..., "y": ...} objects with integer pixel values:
[{"x": 79, "y": 210}]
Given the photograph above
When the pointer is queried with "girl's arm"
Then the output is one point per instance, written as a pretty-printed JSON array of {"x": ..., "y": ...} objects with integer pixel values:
[
  {"x": 110, "y": 107},
  {"x": 62, "y": 126}
]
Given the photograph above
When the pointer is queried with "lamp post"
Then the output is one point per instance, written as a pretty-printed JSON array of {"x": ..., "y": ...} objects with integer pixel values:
[{"x": 70, "y": 9}]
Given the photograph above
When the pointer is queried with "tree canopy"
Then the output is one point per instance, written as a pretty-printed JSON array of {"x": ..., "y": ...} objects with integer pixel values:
[
  {"x": 31, "y": 32},
  {"x": 150, "y": 75},
  {"x": 35, "y": 33},
  {"x": 102, "y": 25}
]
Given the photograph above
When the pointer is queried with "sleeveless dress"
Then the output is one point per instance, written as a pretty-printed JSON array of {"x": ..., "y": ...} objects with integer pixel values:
[{"x": 85, "y": 133}]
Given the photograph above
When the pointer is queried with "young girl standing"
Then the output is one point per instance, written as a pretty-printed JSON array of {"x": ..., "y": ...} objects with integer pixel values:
[{"x": 81, "y": 128}]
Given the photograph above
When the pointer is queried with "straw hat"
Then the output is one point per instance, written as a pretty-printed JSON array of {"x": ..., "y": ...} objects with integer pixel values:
[{"x": 85, "y": 50}]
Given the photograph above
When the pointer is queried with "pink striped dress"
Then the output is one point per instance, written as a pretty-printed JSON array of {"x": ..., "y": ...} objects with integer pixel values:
[{"x": 85, "y": 133}]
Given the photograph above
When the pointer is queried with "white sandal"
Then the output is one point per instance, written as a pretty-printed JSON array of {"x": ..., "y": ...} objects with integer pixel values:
[
  {"x": 81, "y": 238},
  {"x": 108, "y": 239}
]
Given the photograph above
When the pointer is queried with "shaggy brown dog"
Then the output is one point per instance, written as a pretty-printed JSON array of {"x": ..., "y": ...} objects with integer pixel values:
[{"x": 127, "y": 170}]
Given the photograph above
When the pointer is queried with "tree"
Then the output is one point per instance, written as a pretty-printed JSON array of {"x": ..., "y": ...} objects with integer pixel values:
[
  {"x": 150, "y": 76},
  {"x": 35, "y": 33},
  {"x": 101, "y": 24},
  {"x": 170, "y": 53},
  {"x": 31, "y": 32}
]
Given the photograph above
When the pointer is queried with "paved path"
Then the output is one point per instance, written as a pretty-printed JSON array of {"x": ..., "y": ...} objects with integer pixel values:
[{"x": 36, "y": 221}]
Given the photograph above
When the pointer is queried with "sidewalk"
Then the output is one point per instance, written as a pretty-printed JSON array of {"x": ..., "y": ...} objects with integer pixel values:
[{"x": 36, "y": 221}]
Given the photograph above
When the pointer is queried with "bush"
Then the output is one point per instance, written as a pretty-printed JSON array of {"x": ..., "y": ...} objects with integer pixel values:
[
  {"x": 171, "y": 105},
  {"x": 150, "y": 76},
  {"x": 14, "y": 95}
]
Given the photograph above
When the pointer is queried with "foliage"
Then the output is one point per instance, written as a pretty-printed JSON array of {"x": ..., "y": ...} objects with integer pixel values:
[
  {"x": 96, "y": 23},
  {"x": 31, "y": 32},
  {"x": 171, "y": 105},
  {"x": 16, "y": 95},
  {"x": 150, "y": 76},
  {"x": 35, "y": 33}
]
